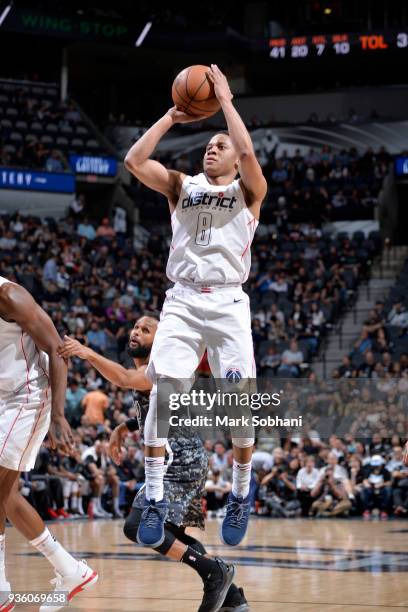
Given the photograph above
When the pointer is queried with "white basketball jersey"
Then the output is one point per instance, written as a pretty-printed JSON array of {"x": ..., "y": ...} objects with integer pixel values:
[
  {"x": 21, "y": 362},
  {"x": 212, "y": 234}
]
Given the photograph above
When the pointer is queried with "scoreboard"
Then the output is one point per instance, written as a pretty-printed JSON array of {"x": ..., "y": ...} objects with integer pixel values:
[{"x": 340, "y": 45}]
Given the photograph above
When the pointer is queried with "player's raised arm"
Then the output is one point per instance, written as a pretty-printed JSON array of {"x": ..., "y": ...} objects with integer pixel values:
[
  {"x": 149, "y": 171},
  {"x": 17, "y": 305},
  {"x": 250, "y": 171},
  {"x": 114, "y": 372}
]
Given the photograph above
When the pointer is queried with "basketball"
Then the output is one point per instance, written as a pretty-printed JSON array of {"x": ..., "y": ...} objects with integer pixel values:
[{"x": 193, "y": 92}]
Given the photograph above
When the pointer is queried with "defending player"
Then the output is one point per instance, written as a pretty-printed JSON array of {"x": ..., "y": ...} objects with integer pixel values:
[
  {"x": 214, "y": 217},
  {"x": 186, "y": 472},
  {"x": 33, "y": 381}
]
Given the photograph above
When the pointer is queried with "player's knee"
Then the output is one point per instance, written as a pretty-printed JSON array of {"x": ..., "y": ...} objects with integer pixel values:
[
  {"x": 243, "y": 442},
  {"x": 132, "y": 524}
]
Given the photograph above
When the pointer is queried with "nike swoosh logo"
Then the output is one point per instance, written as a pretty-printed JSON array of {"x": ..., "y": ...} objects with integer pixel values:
[
  {"x": 235, "y": 301},
  {"x": 193, "y": 183},
  {"x": 84, "y": 574}
]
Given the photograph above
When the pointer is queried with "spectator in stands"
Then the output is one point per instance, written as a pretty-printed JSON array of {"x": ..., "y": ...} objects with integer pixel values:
[
  {"x": 48, "y": 470},
  {"x": 278, "y": 492},
  {"x": 96, "y": 463},
  {"x": 96, "y": 337},
  {"x": 105, "y": 230},
  {"x": 86, "y": 229},
  {"x": 8, "y": 242},
  {"x": 217, "y": 490},
  {"x": 72, "y": 114},
  {"x": 270, "y": 362},
  {"x": 50, "y": 270},
  {"x": 306, "y": 480},
  {"x": 367, "y": 367},
  {"x": 74, "y": 395},
  {"x": 331, "y": 490},
  {"x": 219, "y": 458},
  {"x": 54, "y": 163},
  {"x": 16, "y": 225},
  {"x": 279, "y": 174},
  {"x": 376, "y": 490},
  {"x": 399, "y": 475},
  {"x": 77, "y": 207},
  {"x": 279, "y": 285},
  {"x": 398, "y": 315},
  {"x": 338, "y": 199},
  {"x": 95, "y": 403},
  {"x": 292, "y": 358}
]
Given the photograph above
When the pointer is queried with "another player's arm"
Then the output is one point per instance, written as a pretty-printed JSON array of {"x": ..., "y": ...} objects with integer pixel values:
[
  {"x": 252, "y": 179},
  {"x": 17, "y": 305},
  {"x": 149, "y": 171},
  {"x": 114, "y": 372}
]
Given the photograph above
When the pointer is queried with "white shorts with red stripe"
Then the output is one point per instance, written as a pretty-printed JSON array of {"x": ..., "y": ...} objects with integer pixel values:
[
  {"x": 195, "y": 318},
  {"x": 24, "y": 423}
]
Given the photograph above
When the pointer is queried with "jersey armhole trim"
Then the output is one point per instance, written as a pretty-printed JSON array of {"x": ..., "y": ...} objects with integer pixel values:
[
  {"x": 246, "y": 205},
  {"x": 187, "y": 176}
]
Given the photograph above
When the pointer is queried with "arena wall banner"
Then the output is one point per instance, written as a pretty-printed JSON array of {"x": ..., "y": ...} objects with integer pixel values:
[
  {"x": 391, "y": 134},
  {"x": 401, "y": 166},
  {"x": 89, "y": 164},
  {"x": 30, "y": 180}
]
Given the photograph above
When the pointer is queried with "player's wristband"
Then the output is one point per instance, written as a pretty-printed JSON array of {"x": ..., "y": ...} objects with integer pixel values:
[{"x": 132, "y": 424}]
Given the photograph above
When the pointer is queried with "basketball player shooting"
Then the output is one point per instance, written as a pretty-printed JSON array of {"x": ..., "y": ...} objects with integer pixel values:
[
  {"x": 214, "y": 217},
  {"x": 185, "y": 472},
  {"x": 33, "y": 379}
]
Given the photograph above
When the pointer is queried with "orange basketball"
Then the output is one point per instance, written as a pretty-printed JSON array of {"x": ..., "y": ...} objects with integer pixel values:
[{"x": 193, "y": 92}]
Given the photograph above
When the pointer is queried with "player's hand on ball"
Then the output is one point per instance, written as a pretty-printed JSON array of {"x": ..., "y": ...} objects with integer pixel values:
[
  {"x": 115, "y": 442},
  {"x": 178, "y": 116},
  {"x": 221, "y": 87},
  {"x": 72, "y": 348},
  {"x": 60, "y": 434}
]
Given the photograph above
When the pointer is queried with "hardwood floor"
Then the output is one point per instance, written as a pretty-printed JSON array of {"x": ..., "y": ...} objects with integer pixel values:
[{"x": 284, "y": 566}]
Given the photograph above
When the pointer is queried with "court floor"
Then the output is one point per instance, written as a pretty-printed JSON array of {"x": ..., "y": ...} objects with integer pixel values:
[{"x": 284, "y": 566}]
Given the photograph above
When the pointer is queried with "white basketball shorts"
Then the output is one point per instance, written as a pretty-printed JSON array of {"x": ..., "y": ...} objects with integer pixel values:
[
  {"x": 194, "y": 319},
  {"x": 24, "y": 422}
]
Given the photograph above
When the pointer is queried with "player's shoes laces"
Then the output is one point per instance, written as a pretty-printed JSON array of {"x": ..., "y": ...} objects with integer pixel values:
[
  {"x": 235, "y": 602},
  {"x": 84, "y": 578},
  {"x": 235, "y": 523},
  {"x": 5, "y": 604},
  {"x": 216, "y": 587},
  {"x": 151, "y": 526}
]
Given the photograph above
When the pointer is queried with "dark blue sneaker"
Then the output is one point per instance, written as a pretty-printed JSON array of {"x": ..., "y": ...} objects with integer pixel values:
[
  {"x": 151, "y": 526},
  {"x": 235, "y": 601},
  {"x": 235, "y": 523}
]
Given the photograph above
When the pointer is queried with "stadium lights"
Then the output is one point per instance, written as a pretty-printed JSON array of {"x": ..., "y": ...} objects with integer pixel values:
[
  {"x": 143, "y": 34},
  {"x": 4, "y": 14}
]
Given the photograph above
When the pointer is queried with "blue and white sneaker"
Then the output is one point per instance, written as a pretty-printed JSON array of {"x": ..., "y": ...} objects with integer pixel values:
[
  {"x": 235, "y": 523},
  {"x": 151, "y": 526}
]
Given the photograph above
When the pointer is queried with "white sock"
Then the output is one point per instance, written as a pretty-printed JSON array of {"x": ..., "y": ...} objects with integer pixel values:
[
  {"x": 47, "y": 545},
  {"x": 96, "y": 503},
  {"x": 66, "y": 503},
  {"x": 154, "y": 478},
  {"x": 80, "y": 506},
  {"x": 241, "y": 477},
  {"x": 116, "y": 504},
  {"x": 2, "y": 557},
  {"x": 74, "y": 502}
]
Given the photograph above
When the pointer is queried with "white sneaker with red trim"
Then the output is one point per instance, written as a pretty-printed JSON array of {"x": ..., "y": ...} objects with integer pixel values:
[
  {"x": 84, "y": 578},
  {"x": 5, "y": 604}
]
